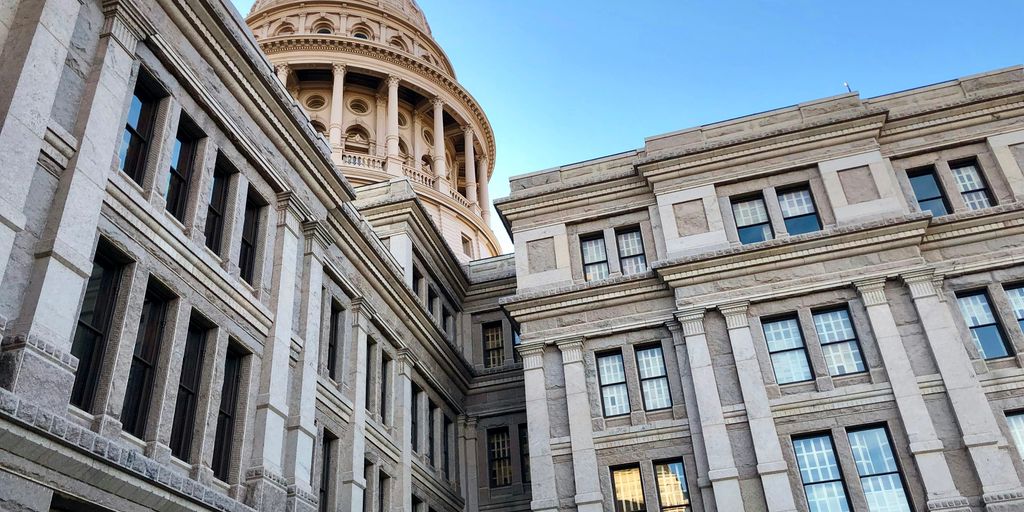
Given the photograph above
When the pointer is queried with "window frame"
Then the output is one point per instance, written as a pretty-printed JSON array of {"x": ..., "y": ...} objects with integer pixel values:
[
  {"x": 224, "y": 437},
  {"x": 335, "y": 326},
  {"x": 814, "y": 204},
  {"x": 492, "y": 482},
  {"x": 251, "y": 226},
  {"x": 188, "y": 392},
  {"x": 149, "y": 95},
  {"x": 643, "y": 489},
  {"x": 522, "y": 429},
  {"x": 217, "y": 205},
  {"x": 664, "y": 375},
  {"x": 986, "y": 187},
  {"x": 942, "y": 197},
  {"x": 747, "y": 198},
  {"x": 661, "y": 502},
  {"x": 181, "y": 170},
  {"x": 492, "y": 350},
  {"x": 414, "y": 412},
  {"x": 145, "y": 359},
  {"x": 642, "y": 256},
  {"x": 895, "y": 457},
  {"x": 87, "y": 376},
  {"x": 594, "y": 237},
  {"x": 803, "y": 348},
  {"x": 327, "y": 445},
  {"x": 1013, "y": 309},
  {"x": 835, "y": 455},
  {"x": 1004, "y": 338},
  {"x": 855, "y": 340},
  {"x": 603, "y": 385}
]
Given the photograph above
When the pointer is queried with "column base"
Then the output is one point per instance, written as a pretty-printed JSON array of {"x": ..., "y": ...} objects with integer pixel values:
[
  {"x": 1004, "y": 501},
  {"x": 265, "y": 490},
  {"x": 951, "y": 504},
  {"x": 302, "y": 500},
  {"x": 393, "y": 166},
  {"x": 37, "y": 371}
]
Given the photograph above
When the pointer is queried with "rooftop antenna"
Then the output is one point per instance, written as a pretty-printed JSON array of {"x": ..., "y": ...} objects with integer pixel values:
[{"x": 847, "y": 85}]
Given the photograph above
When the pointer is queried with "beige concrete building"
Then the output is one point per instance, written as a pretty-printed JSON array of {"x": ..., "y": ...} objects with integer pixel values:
[{"x": 246, "y": 265}]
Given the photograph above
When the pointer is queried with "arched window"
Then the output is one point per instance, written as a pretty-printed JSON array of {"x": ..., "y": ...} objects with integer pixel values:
[
  {"x": 427, "y": 164},
  {"x": 403, "y": 150},
  {"x": 285, "y": 29},
  {"x": 323, "y": 27},
  {"x": 318, "y": 126},
  {"x": 362, "y": 32},
  {"x": 357, "y": 140},
  {"x": 397, "y": 42}
]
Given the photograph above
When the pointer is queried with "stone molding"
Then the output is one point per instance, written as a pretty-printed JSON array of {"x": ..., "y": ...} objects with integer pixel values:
[
  {"x": 872, "y": 291},
  {"x": 533, "y": 355},
  {"x": 125, "y": 24},
  {"x": 572, "y": 350},
  {"x": 48, "y": 350},
  {"x": 1003, "y": 496},
  {"x": 922, "y": 283},
  {"x": 692, "y": 321},
  {"x": 735, "y": 314},
  {"x": 317, "y": 236}
]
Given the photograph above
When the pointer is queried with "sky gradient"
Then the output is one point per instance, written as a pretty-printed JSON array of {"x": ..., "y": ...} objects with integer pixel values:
[{"x": 568, "y": 80}]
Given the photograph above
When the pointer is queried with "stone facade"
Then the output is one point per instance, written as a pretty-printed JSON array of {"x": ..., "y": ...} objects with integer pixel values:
[{"x": 792, "y": 282}]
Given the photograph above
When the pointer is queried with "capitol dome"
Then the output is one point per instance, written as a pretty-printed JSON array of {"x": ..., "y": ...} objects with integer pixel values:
[{"x": 378, "y": 87}]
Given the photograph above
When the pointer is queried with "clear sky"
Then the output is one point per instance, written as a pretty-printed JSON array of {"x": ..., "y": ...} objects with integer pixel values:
[{"x": 568, "y": 80}]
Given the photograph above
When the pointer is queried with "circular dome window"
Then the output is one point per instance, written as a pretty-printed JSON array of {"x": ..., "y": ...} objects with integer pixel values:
[
  {"x": 358, "y": 106},
  {"x": 402, "y": 121},
  {"x": 428, "y": 136},
  {"x": 315, "y": 102}
]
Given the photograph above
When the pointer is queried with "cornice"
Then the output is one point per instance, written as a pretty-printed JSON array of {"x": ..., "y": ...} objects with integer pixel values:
[{"x": 598, "y": 190}]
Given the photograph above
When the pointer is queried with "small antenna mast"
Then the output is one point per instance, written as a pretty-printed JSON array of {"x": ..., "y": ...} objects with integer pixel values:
[{"x": 847, "y": 85}]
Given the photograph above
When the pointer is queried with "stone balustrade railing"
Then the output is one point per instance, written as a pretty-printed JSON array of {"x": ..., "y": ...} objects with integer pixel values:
[
  {"x": 375, "y": 163},
  {"x": 420, "y": 176},
  {"x": 459, "y": 197}
]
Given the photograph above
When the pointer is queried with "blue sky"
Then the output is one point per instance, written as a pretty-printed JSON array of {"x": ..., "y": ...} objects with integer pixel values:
[{"x": 568, "y": 80}]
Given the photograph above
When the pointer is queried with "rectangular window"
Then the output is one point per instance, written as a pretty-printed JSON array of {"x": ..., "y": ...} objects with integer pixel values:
[
  {"x": 371, "y": 364},
  {"x": 135, "y": 411},
  {"x": 333, "y": 335},
  {"x": 972, "y": 185},
  {"x": 250, "y": 234},
  {"x": 385, "y": 369},
  {"x": 820, "y": 473},
  {"x": 499, "y": 457},
  {"x": 431, "y": 439},
  {"x": 1016, "y": 296},
  {"x": 216, "y": 208},
  {"x": 516, "y": 341},
  {"x": 224, "y": 440},
  {"x": 628, "y": 487},
  {"x": 985, "y": 329},
  {"x": 524, "y": 452},
  {"x": 928, "y": 192},
  {"x": 612, "y": 377},
  {"x": 787, "y": 350},
  {"x": 138, "y": 129},
  {"x": 367, "y": 474},
  {"x": 798, "y": 211},
  {"x": 414, "y": 411},
  {"x": 383, "y": 482},
  {"x": 752, "y": 222},
  {"x": 494, "y": 345},
  {"x": 650, "y": 363},
  {"x": 1016, "y": 423},
  {"x": 183, "y": 158},
  {"x": 631, "y": 251},
  {"x": 446, "y": 453},
  {"x": 326, "y": 469},
  {"x": 93, "y": 331},
  {"x": 188, "y": 388},
  {"x": 878, "y": 470},
  {"x": 446, "y": 322},
  {"x": 595, "y": 257},
  {"x": 417, "y": 284},
  {"x": 673, "y": 494},
  {"x": 838, "y": 342}
]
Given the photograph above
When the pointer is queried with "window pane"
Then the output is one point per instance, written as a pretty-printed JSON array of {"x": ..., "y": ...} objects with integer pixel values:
[
  {"x": 976, "y": 200},
  {"x": 796, "y": 202},
  {"x": 616, "y": 400},
  {"x": 1016, "y": 422},
  {"x": 803, "y": 224},
  {"x": 629, "y": 490},
  {"x": 827, "y": 497},
  {"x": 936, "y": 206},
  {"x": 791, "y": 366},
  {"x": 754, "y": 234},
  {"x": 1016, "y": 296},
  {"x": 985, "y": 332},
  {"x": 976, "y": 310},
  {"x": 596, "y": 271},
  {"x": 925, "y": 186},
  {"x": 500, "y": 452},
  {"x": 633, "y": 265},
  {"x": 750, "y": 212},
  {"x": 783, "y": 335},
  {"x": 885, "y": 493},
  {"x": 650, "y": 363},
  {"x": 843, "y": 358},
  {"x": 967, "y": 178},
  {"x": 833, "y": 326},
  {"x": 816, "y": 459},
  {"x": 879, "y": 471},
  {"x": 656, "y": 394},
  {"x": 593, "y": 250},
  {"x": 630, "y": 243},
  {"x": 672, "y": 490},
  {"x": 990, "y": 341},
  {"x": 610, "y": 369}
]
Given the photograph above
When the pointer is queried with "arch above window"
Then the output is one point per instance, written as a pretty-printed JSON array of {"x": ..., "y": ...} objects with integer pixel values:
[
  {"x": 323, "y": 27},
  {"x": 361, "y": 31},
  {"x": 357, "y": 140},
  {"x": 285, "y": 29},
  {"x": 397, "y": 42}
]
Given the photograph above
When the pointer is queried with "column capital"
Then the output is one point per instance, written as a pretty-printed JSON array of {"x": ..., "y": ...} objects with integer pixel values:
[
  {"x": 692, "y": 320},
  {"x": 923, "y": 283},
  {"x": 468, "y": 130},
  {"x": 282, "y": 67},
  {"x": 406, "y": 362},
  {"x": 735, "y": 314},
  {"x": 338, "y": 68},
  {"x": 393, "y": 81},
  {"x": 572, "y": 350},
  {"x": 289, "y": 203},
  {"x": 317, "y": 236},
  {"x": 437, "y": 102},
  {"x": 125, "y": 24},
  {"x": 533, "y": 355},
  {"x": 872, "y": 291}
]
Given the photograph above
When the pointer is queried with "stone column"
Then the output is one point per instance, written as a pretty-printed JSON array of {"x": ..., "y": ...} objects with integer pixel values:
[
  {"x": 692, "y": 414},
  {"x": 379, "y": 135},
  {"x": 417, "y": 138},
  {"x": 36, "y": 353},
  {"x": 471, "y": 170},
  {"x": 394, "y": 165},
  {"x": 284, "y": 71},
  {"x": 485, "y": 195},
  {"x": 472, "y": 488},
  {"x": 403, "y": 421},
  {"x": 924, "y": 442},
  {"x": 265, "y": 479},
  {"x": 771, "y": 465},
  {"x": 353, "y": 481},
  {"x": 542, "y": 467},
  {"x": 581, "y": 430},
  {"x": 301, "y": 429},
  {"x": 337, "y": 134},
  {"x": 440, "y": 167},
  {"x": 721, "y": 465},
  {"x": 985, "y": 444},
  {"x": 33, "y": 54}
]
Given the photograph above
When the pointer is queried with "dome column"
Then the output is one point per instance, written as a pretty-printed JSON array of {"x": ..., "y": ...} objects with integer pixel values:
[
  {"x": 439, "y": 157},
  {"x": 485, "y": 196},
  {"x": 338, "y": 107},
  {"x": 471, "y": 170},
  {"x": 394, "y": 164},
  {"x": 283, "y": 72}
]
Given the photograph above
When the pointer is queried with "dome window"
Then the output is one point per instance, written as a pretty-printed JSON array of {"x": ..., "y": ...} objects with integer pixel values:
[
  {"x": 398, "y": 43},
  {"x": 285, "y": 30},
  {"x": 402, "y": 120},
  {"x": 361, "y": 33},
  {"x": 318, "y": 126},
  {"x": 358, "y": 106},
  {"x": 316, "y": 102},
  {"x": 428, "y": 136},
  {"x": 324, "y": 29}
]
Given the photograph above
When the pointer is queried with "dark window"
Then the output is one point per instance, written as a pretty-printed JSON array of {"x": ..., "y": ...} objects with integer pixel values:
[
  {"x": 787, "y": 350},
  {"x": 752, "y": 222},
  {"x": 432, "y": 301},
  {"x": 183, "y": 157},
  {"x": 985, "y": 330},
  {"x": 524, "y": 452},
  {"x": 820, "y": 473},
  {"x": 631, "y": 251},
  {"x": 838, "y": 341},
  {"x": 611, "y": 376},
  {"x": 431, "y": 440},
  {"x": 928, "y": 192},
  {"x": 138, "y": 129},
  {"x": 499, "y": 457},
  {"x": 223, "y": 444},
  {"x": 218, "y": 204},
  {"x": 371, "y": 363},
  {"x": 515, "y": 343},
  {"x": 250, "y": 234},
  {"x": 878, "y": 469},
  {"x": 385, "y": 369},
  {"x": 467, "y": 246},
  {"x": 326, "y": 469},
  {"x": 135, "y": 411},
  {"x": 414, "y": 411},
  {"x": 446, "y": 322},
  {"x": 446, "y": 453},
  {"x": 188, "y": 387},
  {"x": 650, "y": 363},
  {"x": 383, "y": 482},
  {"x": 333, "y": 335},
  {"x": 94, "y": 320},
  {"x": 417, "y": 283},
  {"x": 670, "y": 478},
  {"x": 494, "y": 345},
  {"x": 595, "y": 257},
  {"x": 367, "y": 472},
  {"x": 628, "y": 489},
  {"x": 798, "y": 211},
  {"x": 972, "y": 185}
]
